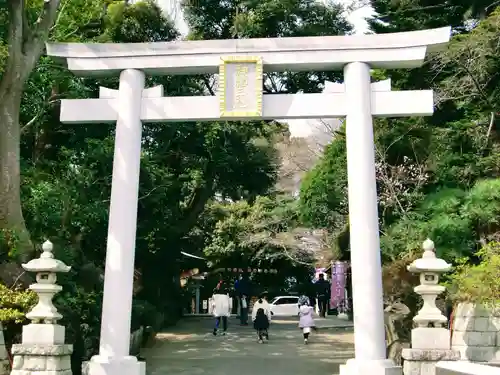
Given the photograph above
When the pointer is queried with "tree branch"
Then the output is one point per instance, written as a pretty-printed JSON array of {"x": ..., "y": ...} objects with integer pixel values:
[
  {"x": 45, "y": 20},
  {"x": 490, "y": 127},
  {"x": 36, "y": 117},
  {"x": 416, "y": 9},
  {"x": 56, "y": 21},
  {"x": 15, "y": 43},
  {"x": 206, "y": 81},
  {"x": 478, "y": 87},
  {"x": 35, "y": 44},
  {"x": 27, "y": 32},
  {"x": 202, "y": 193}
]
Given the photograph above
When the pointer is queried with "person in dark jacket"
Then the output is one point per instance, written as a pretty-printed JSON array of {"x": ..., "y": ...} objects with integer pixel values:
[
  {"x": 322, "y": 294},
  {"x": 261, "y": 317},
  {"x": 243, "y": 291}
]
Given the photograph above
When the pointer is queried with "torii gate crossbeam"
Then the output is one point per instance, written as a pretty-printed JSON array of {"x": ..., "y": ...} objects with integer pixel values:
[{"x": 240, "y": 98}]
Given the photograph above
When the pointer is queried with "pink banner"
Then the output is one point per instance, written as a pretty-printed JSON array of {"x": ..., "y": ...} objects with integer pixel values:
[{"x": 338, "y": 282}]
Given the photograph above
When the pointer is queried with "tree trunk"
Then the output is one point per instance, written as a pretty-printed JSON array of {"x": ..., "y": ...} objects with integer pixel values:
[
  {"x": 11, "y": 215},
  {"x": 25, "y": 47}
]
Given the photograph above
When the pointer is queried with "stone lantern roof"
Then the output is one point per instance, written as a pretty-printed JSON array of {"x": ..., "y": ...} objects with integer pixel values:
[
  {"x": 46, "y": 262},
  {"x": 429, "y": 262}
]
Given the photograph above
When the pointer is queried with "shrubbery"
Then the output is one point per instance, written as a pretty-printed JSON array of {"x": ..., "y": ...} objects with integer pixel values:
[
  {"x": 14, "y": 304},
  {"x": 477, "y": 282}
]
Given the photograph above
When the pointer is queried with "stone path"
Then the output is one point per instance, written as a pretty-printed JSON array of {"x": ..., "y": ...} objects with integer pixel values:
[{"x": 191, "y": 349}]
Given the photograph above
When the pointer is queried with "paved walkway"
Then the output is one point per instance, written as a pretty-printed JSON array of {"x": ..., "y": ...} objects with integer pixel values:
[{"x": 191, "y": 349}]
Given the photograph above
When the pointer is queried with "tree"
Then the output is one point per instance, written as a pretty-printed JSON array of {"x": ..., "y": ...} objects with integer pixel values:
[
  {"x": 66, "y": 172},
  {"x": 299, "y": 154},
  {"x": 411, "y": 15},
  {"x": 24, "y": 41},
  {"x": 216, "y": 19},
  {"x": 265, "y": 234},
  {"x": 471, "y": 67},
  {"x": 423, "y": 160}
]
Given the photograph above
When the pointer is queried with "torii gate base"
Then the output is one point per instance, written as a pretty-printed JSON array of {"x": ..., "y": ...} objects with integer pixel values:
[{"x": 240, "y": 98}]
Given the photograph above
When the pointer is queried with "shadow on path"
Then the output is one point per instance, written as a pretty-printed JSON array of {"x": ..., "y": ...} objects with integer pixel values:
[{"x": 191, "y": 349}]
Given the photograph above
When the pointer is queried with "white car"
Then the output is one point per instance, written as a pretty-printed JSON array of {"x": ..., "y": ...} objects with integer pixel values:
[{"x": 285, "y": 306}]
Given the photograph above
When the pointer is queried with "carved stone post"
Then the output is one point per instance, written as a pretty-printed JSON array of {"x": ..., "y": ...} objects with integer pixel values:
[
  {"x": 430, "y": 340},
  {"x": 43, "y": 351}
]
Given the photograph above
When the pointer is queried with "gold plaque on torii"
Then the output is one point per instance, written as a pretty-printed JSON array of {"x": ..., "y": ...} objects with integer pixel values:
[{"x": 240, "y": 86}]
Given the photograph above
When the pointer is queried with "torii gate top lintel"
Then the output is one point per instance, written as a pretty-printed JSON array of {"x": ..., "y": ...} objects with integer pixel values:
[{"x": 388, "y": 51}]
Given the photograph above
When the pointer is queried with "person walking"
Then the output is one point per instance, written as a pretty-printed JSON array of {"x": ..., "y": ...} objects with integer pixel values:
[
  {"x": 322, "y": 294},
  {"x": 242, "y": 287},
  {"x": 306, "y": 320},
  {"x": 244, "y": 310},
  {"x": 261, "y": 317},
  {"x": 221, "y": 309}
]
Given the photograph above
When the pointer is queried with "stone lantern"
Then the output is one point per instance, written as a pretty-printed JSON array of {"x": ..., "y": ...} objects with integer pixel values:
[
  {"x": 43, "y": 350},
  {"x": 430, "y": 268},
  {"x": 430, "y": 339}
]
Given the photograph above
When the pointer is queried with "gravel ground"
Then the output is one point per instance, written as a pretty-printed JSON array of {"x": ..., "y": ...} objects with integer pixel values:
[{"x": 190, "y": 349}]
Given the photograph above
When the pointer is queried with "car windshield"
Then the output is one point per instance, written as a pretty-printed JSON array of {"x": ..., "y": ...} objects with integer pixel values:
[{"x": 274, "y": 300}]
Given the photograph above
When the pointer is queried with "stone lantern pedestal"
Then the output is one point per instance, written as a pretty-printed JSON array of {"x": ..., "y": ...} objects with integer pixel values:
[
  {"x": 430, "y": 339},
  {"x": 43, "y": 351}
]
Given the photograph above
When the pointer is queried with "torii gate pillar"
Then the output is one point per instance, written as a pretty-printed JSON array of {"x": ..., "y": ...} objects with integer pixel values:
[{"x": 363, "y": 215}]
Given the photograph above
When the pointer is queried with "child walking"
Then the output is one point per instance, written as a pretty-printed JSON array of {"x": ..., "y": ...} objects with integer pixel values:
[
  {"x": 261, "y": 317},
  {"x": 306, "y": 321}
]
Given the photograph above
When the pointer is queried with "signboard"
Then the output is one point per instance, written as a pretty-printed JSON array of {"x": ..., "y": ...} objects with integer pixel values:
[
  {"x": 240, "y": 86},
  {"x": 337, "y": 295}
]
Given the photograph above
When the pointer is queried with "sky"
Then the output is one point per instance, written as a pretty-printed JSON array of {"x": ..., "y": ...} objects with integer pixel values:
[{"x": 298, "y": 128}]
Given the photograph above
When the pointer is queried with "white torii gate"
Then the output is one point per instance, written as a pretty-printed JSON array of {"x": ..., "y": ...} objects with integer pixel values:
[{"x": 240, "y": 98}]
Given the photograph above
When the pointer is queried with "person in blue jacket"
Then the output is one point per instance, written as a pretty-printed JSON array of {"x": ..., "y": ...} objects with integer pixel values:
[{"x": 242, "y": 287}]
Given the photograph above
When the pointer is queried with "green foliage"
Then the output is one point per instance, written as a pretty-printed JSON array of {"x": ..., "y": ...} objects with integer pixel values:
[
  {"x": 66, "y": 169},
  {"x": 412, "y": 15},
  {"x": 430, "y": 171},
  {"x": 134, "y": 24},
  {"x": 78, "y": 20},
  {"x": 477, "y": 283},
  {"x": 483, "y": 206},
  {"x": 216, "y": 19},
  {"x": 471, "y": 66},
  {"x": 455, "y": 220},
  {"x": 144, "y": 314},
  {"x": 272, "y": 18},
  {"x": 14, "y": 304},
  {"x": 81, "y": 310},
  {"x": 264, "y": 234},
  {"x": 8, "y": 244},
  {"x": 437, "y": 177},
  {"x": 438, "y": 217},
  {"x": 323, "y": 192}
]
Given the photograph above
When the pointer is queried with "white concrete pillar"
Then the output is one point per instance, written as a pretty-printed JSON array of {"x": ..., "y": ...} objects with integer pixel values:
[
  {"x": 369, "y": 333},
  {"x": 113, "y": 358}
]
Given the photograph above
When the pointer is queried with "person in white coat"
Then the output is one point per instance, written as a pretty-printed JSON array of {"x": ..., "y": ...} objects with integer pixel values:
[
  {"x": 306, "y": 320},
  {"x": 261, "y": 317},
  {"x": 221, "y": 309}
]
